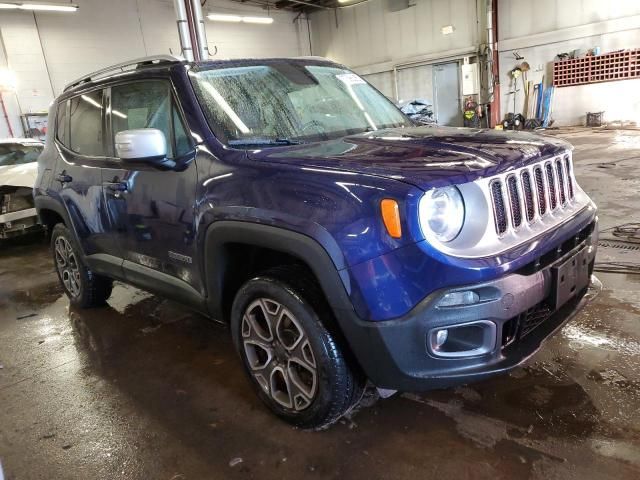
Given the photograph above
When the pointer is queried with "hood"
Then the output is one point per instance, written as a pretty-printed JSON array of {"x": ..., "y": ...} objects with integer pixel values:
[
  {"x": 426, "y": 157},
  {"x": 19, "y": 175}
]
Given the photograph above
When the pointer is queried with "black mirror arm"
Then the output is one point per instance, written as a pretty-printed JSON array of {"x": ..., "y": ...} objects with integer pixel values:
[{"x": 162, "y": 163}]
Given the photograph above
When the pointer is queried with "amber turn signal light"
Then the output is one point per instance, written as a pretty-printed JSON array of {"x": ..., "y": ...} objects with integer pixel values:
[{"x": 391, "y": 217}]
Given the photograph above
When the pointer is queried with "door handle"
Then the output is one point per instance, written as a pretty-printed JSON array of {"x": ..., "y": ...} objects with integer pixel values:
[
  {"x": 117, "y": 186},
  {"x": 64, "y": 178}
]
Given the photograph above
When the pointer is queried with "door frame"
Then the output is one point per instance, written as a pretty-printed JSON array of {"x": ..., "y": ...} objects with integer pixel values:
[{"x": 435, "y": 86}]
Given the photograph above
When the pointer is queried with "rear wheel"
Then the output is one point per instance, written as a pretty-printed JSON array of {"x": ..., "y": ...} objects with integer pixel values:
[
  {"x": 84, "y": 288},
  {"x": 297, "y": 366}
]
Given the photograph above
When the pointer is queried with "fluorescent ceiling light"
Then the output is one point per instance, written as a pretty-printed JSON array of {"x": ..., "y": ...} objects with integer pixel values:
[
  {"x": 223, "y": 17},
  {"x": 447, "y": 29},
  {"x": 219, "y": 17},
  {"x": 262, "y": 20},
  {"x": 8, "y": 80},
  {"x": 42, "y": 7}
]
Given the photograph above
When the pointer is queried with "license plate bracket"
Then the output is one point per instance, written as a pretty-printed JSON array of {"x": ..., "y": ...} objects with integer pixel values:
[{"x": 570, "y": 277}]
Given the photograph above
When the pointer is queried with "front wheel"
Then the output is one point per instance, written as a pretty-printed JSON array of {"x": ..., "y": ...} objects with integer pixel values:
[
  {"x": 83, "y": 287},
  {"x": 298, "y": 368}
]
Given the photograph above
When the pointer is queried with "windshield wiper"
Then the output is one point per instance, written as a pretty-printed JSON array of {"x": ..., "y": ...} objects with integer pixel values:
[{"x": 276, "y": 142}]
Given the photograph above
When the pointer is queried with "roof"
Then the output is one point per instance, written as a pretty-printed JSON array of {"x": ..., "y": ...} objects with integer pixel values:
[{"x": 169, "y": 61}]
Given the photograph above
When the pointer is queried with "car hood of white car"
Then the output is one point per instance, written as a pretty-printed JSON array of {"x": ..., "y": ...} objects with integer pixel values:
[{"x": 23, "y": 175}]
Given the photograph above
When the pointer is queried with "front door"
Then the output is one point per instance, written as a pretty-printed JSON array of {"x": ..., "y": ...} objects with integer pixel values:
[
  {"x": 151, "y": 210},
  {"x": 446, "y": 93}
]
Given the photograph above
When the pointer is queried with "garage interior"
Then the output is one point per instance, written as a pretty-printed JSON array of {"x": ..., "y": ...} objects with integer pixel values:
[{"x": 144, "y": 388}]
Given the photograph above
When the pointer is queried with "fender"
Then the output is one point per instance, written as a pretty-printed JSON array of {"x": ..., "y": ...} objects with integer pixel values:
[
  {"x": 43, "y": 202},
  {"x": 329, "y": 270}
]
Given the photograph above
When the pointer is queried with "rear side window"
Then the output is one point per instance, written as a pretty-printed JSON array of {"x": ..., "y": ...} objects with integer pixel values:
[
  {"x": 149, "y": 104},
  {"x": 86, "y": 129},
  {"x": 62, "y": 126}
]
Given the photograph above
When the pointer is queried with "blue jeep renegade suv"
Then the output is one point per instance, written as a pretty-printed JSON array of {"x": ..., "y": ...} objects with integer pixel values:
[{"x": 341, "y": 243}]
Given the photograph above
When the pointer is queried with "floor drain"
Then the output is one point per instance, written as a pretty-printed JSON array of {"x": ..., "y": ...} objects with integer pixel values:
[{"x": 619, "y": 245}]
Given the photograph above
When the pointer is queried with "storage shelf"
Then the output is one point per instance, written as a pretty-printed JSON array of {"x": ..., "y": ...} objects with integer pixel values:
[{"x": 607, "y": 67}]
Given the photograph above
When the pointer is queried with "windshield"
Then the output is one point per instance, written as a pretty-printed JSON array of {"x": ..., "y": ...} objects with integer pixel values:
[
  {"x": 285, "y": 103},
  {"x": 17, "y": 154}
]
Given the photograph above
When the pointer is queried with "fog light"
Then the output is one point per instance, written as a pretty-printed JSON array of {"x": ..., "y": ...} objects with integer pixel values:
[
  {"x": 453, "y": 299},
  {"x": 462, "y": 340},
  {"x": 441, "y": 337}
]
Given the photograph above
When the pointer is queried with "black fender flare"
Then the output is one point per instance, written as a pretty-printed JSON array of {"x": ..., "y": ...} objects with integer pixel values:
[
  {"x": 48, "y": 203},
  {"x": 328, "y": 269}
]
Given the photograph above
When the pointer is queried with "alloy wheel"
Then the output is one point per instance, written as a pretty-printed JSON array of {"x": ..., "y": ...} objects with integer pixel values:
[
  {"x": 279, "y": 354},
  {"x": 67, "y": 265}
]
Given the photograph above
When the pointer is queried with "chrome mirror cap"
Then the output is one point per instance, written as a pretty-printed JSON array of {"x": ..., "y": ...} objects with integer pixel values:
[{"x": 141, "y": 144}]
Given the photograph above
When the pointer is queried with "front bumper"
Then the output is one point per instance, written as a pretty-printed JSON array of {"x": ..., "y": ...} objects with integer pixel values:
[
  {"x": 17, "y": 223},
  {"x": 520, "y": 308}
]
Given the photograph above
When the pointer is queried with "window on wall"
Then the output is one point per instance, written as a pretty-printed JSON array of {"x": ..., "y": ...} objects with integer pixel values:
[
  {"x": 86, "y": 126},
  {"x": 62, "y": 126},
  {"x": 149, "y": 104}
]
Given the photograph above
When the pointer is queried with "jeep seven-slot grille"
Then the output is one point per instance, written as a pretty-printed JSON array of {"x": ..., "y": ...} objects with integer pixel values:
[
  {"x": 561, "y": 185},
  {"x": 527, "y": 192},
  {"x": 567, "y": 166},
  {"x": 499, "y": 210},
  {"x": 553, "y": 189},
  {"x": 514, "y": 201},
  {"x": 542, "y": 199}
]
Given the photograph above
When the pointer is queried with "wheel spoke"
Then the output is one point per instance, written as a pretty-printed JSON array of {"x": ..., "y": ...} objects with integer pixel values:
[
  {"x": 302, "y": 386},
  {"x": 259, "y": 354},
  {"x": 303, "y": 354},
  {"x": 288, "y": 330},
  {"x": 280, "y": 387},
  {"x": 61, "y": 252},
  {"x": 279, "y": 354},
  {"x": 260, "y": 320}
]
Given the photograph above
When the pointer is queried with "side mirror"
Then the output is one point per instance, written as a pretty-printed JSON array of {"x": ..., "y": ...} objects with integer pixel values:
[{"x": 143, "y": 145}]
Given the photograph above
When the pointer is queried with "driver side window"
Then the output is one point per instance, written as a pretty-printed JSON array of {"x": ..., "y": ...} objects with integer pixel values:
[{"x": 149, "y": 104}]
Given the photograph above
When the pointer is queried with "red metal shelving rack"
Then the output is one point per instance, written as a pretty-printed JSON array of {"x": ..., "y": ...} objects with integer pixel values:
[{"x": 608, "y": 67}]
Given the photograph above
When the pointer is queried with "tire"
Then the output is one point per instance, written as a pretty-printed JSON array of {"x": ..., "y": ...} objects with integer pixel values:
[
  {"x": 298, "y": 367},
  {"x": 84, "y": 288}
]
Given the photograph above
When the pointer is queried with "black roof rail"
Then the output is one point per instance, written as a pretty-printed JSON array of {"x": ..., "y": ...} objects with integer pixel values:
[{"x": 121, "y": 67}]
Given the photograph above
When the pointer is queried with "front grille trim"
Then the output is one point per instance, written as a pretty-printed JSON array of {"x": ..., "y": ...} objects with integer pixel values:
[
  {"x": 500, "y": 216},
  {"x": 541, "y": 190},
  {"x": 528, "y": 195},
  {"x": 532, "y": 193},
  {"x": 552, "y": 190},
  {"x": 491, "y": 229},
  {"x": 515, "y": 204},
  {"x": 569, "y": 170},
  {"x": 562, "y": 190}
]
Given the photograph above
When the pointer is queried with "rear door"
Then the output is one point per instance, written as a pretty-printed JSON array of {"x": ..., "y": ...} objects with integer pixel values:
[
  {"x": 152, "y": 210},
  {"x": 83, "y": 151}
]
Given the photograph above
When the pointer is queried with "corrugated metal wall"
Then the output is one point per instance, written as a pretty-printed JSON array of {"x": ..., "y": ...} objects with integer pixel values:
[
  {"x": 370, "y": 33},
  {"x": 103, "y": 32},
  {"x": 539, "y": 30}
]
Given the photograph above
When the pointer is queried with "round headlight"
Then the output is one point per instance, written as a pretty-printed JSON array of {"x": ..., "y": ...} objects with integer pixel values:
[{"x": 442, "y": 213}]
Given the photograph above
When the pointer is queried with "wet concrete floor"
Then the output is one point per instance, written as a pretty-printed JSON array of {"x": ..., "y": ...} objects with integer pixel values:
[{"x": 144, "y": 389}]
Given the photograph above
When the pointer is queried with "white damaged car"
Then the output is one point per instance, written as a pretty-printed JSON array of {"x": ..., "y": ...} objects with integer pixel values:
[{"x": 18, "y": 171}]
